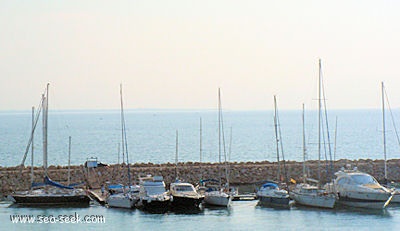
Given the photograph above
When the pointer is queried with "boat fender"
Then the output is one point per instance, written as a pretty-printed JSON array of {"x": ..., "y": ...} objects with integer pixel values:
[
  {"x": 172, "y": 199},
  {"x": 149, "y": 200}
]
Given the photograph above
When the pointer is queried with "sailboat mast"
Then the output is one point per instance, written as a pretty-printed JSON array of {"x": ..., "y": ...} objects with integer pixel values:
[
  {"x": 124, "y": 140},
  {"x": 122, "y": 126},
  {"x": 45, "y": 126},
  {"x": 33, "y": 128},
  {"x": 384, "y": 129},
  {"x": 219, "y": 133},
  {"x": 334, "y": 149},
  {"x": 69, "y": 160},
  {"x": 319, "y": 122},
  {"x": 304, "y": 147},
  {"x": 201, "y": 140},
  {"x": 277, "y": 138},
  {"x": 176, "y": 157},
  {"x": 230, "y": 146}
]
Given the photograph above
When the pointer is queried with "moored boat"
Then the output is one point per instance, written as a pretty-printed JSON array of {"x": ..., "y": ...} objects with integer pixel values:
[
  {"x": 184, "y": 195},
  {"x": 123, "y": 196},
  {"x": 310, "y": 195},
  {"x": 48, "y": 192},
  {"x": 152, "y": 194},
  {"x": 359, "y": 189},
  {"x": 270, "y": 194},
  {"x": 51, "y": 194}
]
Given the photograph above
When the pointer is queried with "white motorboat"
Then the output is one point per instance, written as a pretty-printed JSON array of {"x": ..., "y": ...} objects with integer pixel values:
[
  {"x": 152, "y": 194},
  {"x": 359, "y": 189},
  {"x": 270, "y": 194},
  {"x": 310, "y": 195},
  {"x": 183, "y": 195}
]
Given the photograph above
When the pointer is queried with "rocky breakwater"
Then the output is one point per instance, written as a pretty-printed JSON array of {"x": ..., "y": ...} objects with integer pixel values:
[{"x": 13, "y": 179}]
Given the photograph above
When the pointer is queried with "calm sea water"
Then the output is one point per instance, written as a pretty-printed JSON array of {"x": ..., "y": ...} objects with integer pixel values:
[
  {"x": 151, "y": 135},
  {"x": 243, "y": 215}
]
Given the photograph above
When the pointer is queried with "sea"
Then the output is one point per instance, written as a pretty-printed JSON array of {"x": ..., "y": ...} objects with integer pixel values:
[{"x": 155, "y": 135}]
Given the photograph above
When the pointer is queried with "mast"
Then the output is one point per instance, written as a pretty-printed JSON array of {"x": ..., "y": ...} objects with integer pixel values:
[
  {"x": 384, "y": 130},
  {"x": 122, "y": 126},
  {"x": 230, "y": 146},
  {"x": 219, "y": 133},
  {"x": 334, "y": 149},
  {"x": 33, "y": 128},
  {"x": 124, "y": 139},
  {"x": 277, "y": 138},
  {"x": 319, "y": 122},
  {"x": 119, "y": 151},
  {"x": 45, "y": 127},
  {"x": 176, "y": 157},
  {"x": 69, "y": 160},
  {"x": 304, "y": 148},
  {"x": 200, "y": 141}
]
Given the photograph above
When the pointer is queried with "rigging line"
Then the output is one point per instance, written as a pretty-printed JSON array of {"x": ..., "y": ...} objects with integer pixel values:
[
  {"x": 281, "y": 146},
  {"x": 124, "y": 140},
  {"x": 38, "y": 111},
  {"x": 277, "y": 138},
  {"x": 327, "y": 131},
  {"x": 324, "y": 145},
  {"x": 224, "y": 148},
  {"x": 391, "y": 114}
]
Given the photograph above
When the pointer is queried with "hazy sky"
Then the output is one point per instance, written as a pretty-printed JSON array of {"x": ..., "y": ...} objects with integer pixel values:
[{"x": 175, "y": 54}]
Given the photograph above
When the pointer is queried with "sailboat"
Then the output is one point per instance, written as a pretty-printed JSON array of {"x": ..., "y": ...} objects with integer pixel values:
[
  {"x": 307, "y": 194},
  {"x": 270, "y": 193},
  {"x": 216, "y": 195},
  {"x": 126, "y": 197},
  {"x": 48, "y": 193},
  {"x": 183, "y": 195},
  {"x": 396, "y": 195}
]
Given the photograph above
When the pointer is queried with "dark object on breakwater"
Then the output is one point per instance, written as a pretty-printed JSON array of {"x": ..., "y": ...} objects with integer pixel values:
[{"x": 94, "y": 163}]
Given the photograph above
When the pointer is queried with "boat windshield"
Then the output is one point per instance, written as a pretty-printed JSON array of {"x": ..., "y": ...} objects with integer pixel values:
[
  {"x": 184, "y": 188},
  {"x": 363, "y": 179},
  {"x": 155, "y": 190}
]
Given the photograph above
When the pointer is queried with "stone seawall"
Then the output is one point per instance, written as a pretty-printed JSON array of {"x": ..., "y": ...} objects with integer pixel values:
[{"x": 13, "y": 179}]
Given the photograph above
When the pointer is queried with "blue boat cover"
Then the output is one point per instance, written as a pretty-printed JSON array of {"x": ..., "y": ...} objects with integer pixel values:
[
  {"x": 48, "y": 181},
  {"x": 270, "y": 185},
  {"x": 208, "y": 180},
  {"x": 115, "y": 186}
]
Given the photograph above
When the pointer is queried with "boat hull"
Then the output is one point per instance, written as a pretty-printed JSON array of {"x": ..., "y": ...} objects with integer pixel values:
[
  {"x": 218, "y": 200},
  {"x": 182, "y": 202},
  {"x": 35, "y": 200},
  {"x": 155, "y": 206},
  {"x": 396, "y": 198},
  {"x": 121, "y": 201},
  {"x": 363, "y": 203},
  {"x": 274, "y": 201},
  {"x": 321, "y": 201}
]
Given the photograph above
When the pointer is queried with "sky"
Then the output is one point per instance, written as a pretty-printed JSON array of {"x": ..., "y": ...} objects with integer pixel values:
[{"x": 176, "y": 54}]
